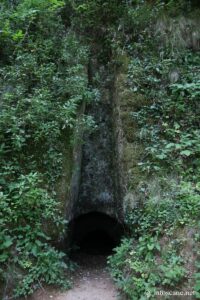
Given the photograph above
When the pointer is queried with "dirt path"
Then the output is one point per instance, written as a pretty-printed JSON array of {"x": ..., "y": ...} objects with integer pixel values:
[{"x": 91, "y": 282}]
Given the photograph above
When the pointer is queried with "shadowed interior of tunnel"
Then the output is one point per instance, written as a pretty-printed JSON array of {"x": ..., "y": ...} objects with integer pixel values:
[{"x": 95, "y": 233}]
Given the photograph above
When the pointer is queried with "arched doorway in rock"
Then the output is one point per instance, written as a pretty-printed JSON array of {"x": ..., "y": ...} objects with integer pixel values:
[{"x": 95, "y": 233}]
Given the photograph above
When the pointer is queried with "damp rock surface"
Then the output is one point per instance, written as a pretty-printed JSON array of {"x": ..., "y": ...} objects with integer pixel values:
[{"x": 91, "y": 282}]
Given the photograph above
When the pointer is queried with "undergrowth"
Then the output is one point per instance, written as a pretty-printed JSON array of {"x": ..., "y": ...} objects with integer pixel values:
[
  {"x": 152, "y": 258},
  {"x": 45, "y": 47},
  {"x": 164, "y": 225},
  {"x": 43, "y": 84}
]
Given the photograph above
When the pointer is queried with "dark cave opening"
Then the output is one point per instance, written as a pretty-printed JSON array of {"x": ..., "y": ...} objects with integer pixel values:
[{"x": 95, "y": 233}]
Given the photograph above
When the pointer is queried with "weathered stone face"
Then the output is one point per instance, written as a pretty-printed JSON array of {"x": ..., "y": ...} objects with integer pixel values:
[
  {"x": 106, "y": 160},
  {"x": 98, "y": 172}
]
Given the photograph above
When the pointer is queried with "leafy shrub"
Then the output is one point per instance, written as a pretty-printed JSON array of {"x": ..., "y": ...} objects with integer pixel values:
[
  {"x": 43, "y": 85},
  {"x": 26, "y": 213},
  {"x": 144, "y": 263},
  {"x": 153, "y": 256},
  {"x": 168, "y": 136}
]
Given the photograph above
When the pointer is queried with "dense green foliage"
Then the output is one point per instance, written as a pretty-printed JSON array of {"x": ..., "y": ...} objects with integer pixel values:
[
  {"x": 43, "y": 83},
  {"x": 153, "y": 258},
  {"x": 45, "y": 48},
  {"x": 163, "y": 69},
  {"x": 170, "y": 124},
  {"x": 26, "y": 209}
]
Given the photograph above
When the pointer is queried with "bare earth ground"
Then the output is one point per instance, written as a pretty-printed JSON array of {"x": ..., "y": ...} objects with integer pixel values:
[{"x": 91, "y": 282}]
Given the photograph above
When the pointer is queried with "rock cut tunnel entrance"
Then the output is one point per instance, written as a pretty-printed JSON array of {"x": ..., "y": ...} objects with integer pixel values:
[{"x": 95, "y": 233}]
